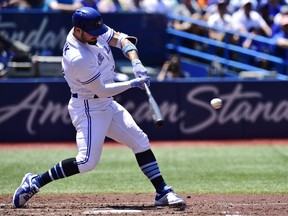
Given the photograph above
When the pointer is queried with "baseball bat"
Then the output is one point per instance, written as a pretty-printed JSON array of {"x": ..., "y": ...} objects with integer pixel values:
[{"x": 157, "y": 116}]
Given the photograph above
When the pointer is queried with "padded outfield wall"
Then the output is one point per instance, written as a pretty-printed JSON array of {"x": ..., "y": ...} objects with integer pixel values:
[{"x": 36, "y": 110}]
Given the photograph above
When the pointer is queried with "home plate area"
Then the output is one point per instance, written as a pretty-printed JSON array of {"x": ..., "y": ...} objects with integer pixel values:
[
  {"x": 145, "y": 209},
  {"x": 111, "y": 211},
  {"x": 142, "y": 204}
]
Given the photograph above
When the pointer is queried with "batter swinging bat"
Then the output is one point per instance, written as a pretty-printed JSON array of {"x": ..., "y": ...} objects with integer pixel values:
[{"x": 157, "y": 116}]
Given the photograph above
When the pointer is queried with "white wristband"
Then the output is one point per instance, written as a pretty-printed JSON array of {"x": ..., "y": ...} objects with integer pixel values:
[{"x": 135, "y": 62}]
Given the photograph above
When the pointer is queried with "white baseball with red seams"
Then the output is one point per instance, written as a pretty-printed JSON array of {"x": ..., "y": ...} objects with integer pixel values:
[{"x": 216, "y": 103}]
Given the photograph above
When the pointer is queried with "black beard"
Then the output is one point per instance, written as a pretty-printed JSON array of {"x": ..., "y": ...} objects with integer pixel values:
[{"x": 93, "y": 43}]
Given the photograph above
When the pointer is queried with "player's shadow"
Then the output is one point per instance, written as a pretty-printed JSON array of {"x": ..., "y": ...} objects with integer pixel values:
[{"x": 145, "y": 207}]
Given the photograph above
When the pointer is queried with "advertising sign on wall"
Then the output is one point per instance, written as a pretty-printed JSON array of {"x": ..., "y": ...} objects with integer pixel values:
[{"x": 36, "y": 110}]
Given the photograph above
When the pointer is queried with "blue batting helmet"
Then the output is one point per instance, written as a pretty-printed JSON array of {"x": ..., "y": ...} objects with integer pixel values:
[{"x": 89, "y": 20}]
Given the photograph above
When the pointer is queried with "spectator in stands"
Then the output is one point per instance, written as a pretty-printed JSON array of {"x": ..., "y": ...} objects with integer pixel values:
[
  {"x": 280, "y": 40},
  {"x": 264, "y": 11},
  {"x": 72, "y": 5},
  {"x": 154, "y": 6},
  {"x": 171, "y": 4},
  {"x": 104, "y": 6},
  {"x": 120, "y": 5},
  {"x": 221, "y": 20},
  {"x": 276, "y": 27},
  {"x": 237, "y": 4},
  {"x": 135, "y": 6},
  {"x": 89, "y": 3},
  {"x": 36, "y": 4},
  {"x": 189, "y": 9},
  {"x": 62, "y": 5},
  {"x": 212, "y": 8},
  {"x": 150, "y": 6},
  {"x": 274, "y": 6},
  {"x": 130, "y": 5},
  {"x": 271, "y": 11},
  {"x": 203, "y": 4},
  {"x": 19, "y": 4},
  {"x": 278, "y": 16},
  {"x": 110, "y": 6},
  {"x": 171, "y": 69},
  {"x": 246, "y": 20}
]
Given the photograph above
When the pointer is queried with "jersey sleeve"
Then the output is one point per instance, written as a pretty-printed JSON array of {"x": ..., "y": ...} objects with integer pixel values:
[
  {"x": 89, "y": 77},
  {"x": 107, "y": 36}
]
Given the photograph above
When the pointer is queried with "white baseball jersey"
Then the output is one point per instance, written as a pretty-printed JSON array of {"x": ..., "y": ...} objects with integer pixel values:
[
  {"x": 84, "y": 67},
  {"x": 95, "y": 61}
]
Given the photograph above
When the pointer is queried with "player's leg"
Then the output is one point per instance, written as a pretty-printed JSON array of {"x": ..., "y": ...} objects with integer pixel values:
[
  {"x": 123, "y": 129},
  {"x": 91, "y": 131}
]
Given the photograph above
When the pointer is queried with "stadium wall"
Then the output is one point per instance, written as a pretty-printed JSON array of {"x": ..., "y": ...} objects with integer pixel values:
[{"x": 34, "y": 110}]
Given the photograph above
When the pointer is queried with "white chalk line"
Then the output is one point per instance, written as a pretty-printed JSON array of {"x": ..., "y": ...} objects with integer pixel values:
[
  {"x": 94, "y": 211},
  {"x": 111, "y": 211},
  {"x": 253, "y": 204}
]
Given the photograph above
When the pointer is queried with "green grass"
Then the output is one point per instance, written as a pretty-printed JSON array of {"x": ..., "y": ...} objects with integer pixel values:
[{"x": 204, "y": 170}]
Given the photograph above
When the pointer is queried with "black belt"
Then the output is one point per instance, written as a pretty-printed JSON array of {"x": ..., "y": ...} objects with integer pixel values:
[{"x": 75, "y": 95}]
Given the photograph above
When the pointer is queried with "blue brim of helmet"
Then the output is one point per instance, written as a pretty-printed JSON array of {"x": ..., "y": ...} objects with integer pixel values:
[{"x": 103, "y": 29}]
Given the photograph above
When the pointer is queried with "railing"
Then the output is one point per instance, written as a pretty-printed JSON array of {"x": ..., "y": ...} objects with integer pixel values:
[{"x": 175, "y": 43}]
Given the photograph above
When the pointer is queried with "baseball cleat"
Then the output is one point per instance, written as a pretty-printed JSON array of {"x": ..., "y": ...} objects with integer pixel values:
[
  {"x": 168, "y": 198},
  {"x": 25, "y": 191}
]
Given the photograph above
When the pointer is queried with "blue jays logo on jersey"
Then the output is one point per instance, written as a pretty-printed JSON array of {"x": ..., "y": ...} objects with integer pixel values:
[
  {"x": 100, "y": 58},
  {"x": 107, "y": 49}
]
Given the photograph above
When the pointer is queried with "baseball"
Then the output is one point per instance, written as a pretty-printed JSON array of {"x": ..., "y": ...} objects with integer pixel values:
[{"x": 216, "y": 103}]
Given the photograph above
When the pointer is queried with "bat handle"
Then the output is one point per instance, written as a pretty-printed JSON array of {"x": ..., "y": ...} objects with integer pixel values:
[{"x": 147, "y": 89}]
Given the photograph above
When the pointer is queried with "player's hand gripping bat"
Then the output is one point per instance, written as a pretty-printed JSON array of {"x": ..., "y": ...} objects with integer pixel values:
[{"x": 157, "y": 116}]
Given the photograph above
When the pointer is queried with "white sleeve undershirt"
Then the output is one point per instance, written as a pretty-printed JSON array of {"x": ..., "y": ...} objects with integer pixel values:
[{"x": 107, "y": 90}]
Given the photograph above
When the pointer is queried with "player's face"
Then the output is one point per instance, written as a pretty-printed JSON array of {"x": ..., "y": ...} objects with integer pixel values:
[{"x": 85, "y": 37}]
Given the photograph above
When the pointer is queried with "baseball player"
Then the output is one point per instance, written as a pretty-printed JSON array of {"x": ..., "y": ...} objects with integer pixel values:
[{"x": 88, "y": 67}]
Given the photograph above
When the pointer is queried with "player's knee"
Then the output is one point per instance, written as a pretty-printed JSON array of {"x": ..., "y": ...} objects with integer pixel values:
[
  {"x": 142, "y": 145},
  {"x": 85, "y": 163},
  {"x": 88, "y": 166}
]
